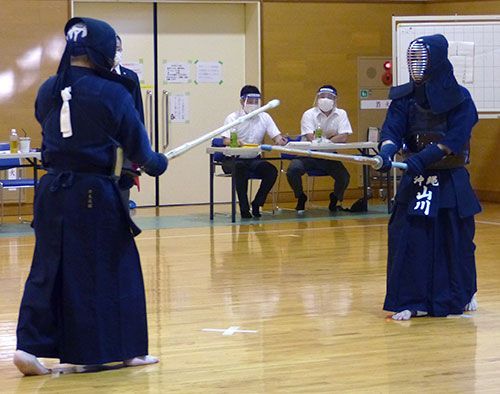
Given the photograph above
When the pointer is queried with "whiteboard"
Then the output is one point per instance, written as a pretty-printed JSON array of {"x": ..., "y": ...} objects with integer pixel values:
[{"x": 474, "y": 52}]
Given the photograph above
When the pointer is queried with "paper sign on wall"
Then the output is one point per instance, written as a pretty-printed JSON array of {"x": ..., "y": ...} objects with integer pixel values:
[
  {"x": 375, "y": 104},
  {"x": 177, "y": 72},
  {"x": 179, "y": 108},
  {"x": 461, "y": 55},
  {"x": 137, "y": 67},
  {"x": 208, "y": 72}
]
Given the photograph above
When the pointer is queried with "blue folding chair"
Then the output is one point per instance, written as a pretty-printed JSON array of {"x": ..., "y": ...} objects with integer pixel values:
[
  {"x": 12, "y": 183},
  {"x": 218, "y": 156}
]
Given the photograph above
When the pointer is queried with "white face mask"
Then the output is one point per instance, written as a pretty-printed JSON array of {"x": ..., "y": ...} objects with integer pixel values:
[
  {"x": 325, "y": 104},
  {"x": 118, "y": 58},
  {"x": 250, "y": 107}
]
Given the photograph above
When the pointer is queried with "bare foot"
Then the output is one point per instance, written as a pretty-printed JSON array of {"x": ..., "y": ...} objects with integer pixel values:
[
  {"x": 29, "y": 364},
  {"x": 472, "y": 305},
  {"x": 143, "y": 360},
  {"x": 407, "y": 314}
]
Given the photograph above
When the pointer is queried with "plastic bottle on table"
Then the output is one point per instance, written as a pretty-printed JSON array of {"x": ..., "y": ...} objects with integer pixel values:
[
  {"x": 318, "y": 133},
  {"x": 233, "y": 140},
  {"x": 14, "y": 141}
]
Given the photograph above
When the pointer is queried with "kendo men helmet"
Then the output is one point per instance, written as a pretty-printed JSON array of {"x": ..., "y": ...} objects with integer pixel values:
[
  {"x": 418, "y": 58},
  {"x": 91, "y": 37},
  {"x": 430, "y": 68},
  {"x": 97, "y": 40}
]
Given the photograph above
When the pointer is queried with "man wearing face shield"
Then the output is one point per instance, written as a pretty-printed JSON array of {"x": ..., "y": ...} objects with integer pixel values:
[
  {"x": 252, "y": 131},
  {"x": 84, "y": 300},
  {"x": 431, "y": 266},
  {"x": 335, "y": 127}
]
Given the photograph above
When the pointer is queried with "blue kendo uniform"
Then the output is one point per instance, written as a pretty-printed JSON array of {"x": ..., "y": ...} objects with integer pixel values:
[
  {"x": 84, "y": 300},
  {"x": 431, "y": 263}
]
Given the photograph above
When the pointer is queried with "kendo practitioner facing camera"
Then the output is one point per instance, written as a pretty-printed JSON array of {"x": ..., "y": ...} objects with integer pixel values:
[
  {"x": 84, "y": 300},
  {"x": 431, "y": 266}
]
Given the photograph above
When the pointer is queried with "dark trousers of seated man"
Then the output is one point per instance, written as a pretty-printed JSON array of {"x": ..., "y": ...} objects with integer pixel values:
[
  {"x": 243, "y": 168},
  {"x": 335, "y": 169}
]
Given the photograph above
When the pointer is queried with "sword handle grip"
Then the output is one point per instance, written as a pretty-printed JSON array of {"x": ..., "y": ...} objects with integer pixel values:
[
  {"x": 395, "y": 164},
  {"x": 401, "y": 166}
]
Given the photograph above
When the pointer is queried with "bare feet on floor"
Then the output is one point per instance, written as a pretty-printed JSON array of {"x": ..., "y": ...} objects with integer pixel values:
[
  {"x": 142, "y": 360},
  {"x": 407, "y": 314},
  {"x": 472, "y": 305},
  {"x": 29, "y": 364}
]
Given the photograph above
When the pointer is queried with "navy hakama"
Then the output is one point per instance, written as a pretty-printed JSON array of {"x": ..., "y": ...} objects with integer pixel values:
[
  {"x": 84, "y": 299},
  {"x": 431, "y": 265}
]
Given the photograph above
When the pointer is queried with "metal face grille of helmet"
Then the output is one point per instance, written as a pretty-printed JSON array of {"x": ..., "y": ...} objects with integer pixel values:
[{"x": 418, "y": 60}]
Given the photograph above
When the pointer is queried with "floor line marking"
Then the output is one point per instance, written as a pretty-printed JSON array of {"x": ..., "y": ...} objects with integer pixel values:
[
  {"x": 267, "y": 231},
  {"x": 239, "y": 232},
  {"x": 487, "y": 222}
]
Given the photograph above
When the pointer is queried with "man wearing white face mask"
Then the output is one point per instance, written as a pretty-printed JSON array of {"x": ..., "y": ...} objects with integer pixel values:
[
  {"x": 127, "y": 179},
  {"x": 335, "y": 126},
  {"x": 130, "y": 74},
  {"x": 252, "y": 131}
]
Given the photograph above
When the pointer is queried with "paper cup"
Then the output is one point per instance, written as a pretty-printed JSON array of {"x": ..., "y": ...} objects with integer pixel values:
[{"x": 24, "y": 144}]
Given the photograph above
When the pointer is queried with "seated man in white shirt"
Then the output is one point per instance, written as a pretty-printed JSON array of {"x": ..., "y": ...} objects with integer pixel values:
[
  {"x": 335, "y": 127},
  {"x": 252, "y": 131}
]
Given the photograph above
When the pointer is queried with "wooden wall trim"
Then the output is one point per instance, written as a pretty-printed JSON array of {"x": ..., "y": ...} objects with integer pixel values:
[
  {"x": 374, "y": 1},
  {"x": 351, "y": 1}
]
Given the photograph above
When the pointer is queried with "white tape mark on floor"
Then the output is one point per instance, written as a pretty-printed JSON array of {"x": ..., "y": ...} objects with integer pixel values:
[{"x": 229, "y": 331}]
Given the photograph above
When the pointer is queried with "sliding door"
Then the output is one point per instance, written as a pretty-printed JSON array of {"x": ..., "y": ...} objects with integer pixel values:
[
  {"x": 191, "y": 73},
  {"x": 208, "y": 40}
]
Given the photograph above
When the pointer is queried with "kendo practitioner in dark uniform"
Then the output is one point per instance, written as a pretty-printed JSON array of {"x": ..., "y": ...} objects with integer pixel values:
[
  {"x": 84, "y": 300},
  {"x": 431, "y": 265}
]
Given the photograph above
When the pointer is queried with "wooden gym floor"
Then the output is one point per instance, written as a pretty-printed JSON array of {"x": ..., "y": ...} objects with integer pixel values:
[{"x": 307, "y": 295}]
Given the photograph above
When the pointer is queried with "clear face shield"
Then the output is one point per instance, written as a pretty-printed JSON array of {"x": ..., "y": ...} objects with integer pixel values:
[
  {"x": 326, "y": 100},
  {"x": 418, "y": 60},
  {"x": 250, "y": 102}
]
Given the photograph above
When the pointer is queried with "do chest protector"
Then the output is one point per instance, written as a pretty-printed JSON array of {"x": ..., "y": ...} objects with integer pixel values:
[{"x": 427, "y": 128}]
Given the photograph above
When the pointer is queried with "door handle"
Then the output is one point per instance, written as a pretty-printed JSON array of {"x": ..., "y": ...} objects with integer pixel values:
[
  {"x": 166, "y": 130},
  {"x": 149, "y": 113}
]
